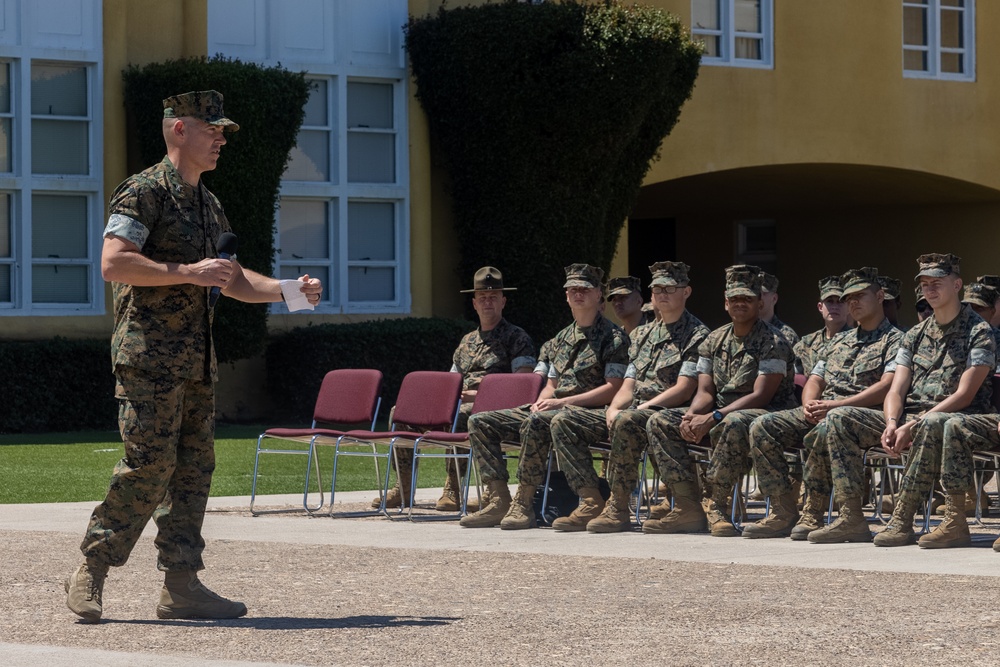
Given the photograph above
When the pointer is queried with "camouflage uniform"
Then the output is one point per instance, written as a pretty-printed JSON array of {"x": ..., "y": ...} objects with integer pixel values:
[
  {"x": 165, "y": 367},
  {"x": 854, "y": 361},
  {"x": 734, "y": 365},
  {"x": 582, "y": 359},
  {"x": 659, "y": 354},
  {"x": 811, "y": 348},
  {"x": 784, "y": 330},
  {"x": 937, "y": 358},
  {"x": 504, "y": 349}
]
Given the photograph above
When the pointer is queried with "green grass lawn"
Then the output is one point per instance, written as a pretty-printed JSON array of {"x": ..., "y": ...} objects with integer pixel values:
[{"x": 68, "y": 467}]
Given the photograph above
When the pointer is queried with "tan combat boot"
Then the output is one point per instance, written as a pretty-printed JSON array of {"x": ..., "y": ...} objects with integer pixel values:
[
  {"x": 590, "y": 507},
  {"x": 85, "y": 590},
  {"x": 660, "y": 510},
  {"x": 616, "y": 517},
  {"x": 849, "y": 526},
  {"x": 953, "y": 531},
  {"x": 522, "y": 510},
  {"x": 899, "y": 531},
  {"x": 687, "y": 516},
  {"x": 496, "y": 505},
  {"x": 813, "y": 516},
  {"x": 399, "y": 495},
  {"x": 780, "y": 521},
  {"x": 450, "y": 500},
  {"x": 996, "y": 545},
  {"x": 719, "y": 522},
  {"x": 184, "y": 596}
]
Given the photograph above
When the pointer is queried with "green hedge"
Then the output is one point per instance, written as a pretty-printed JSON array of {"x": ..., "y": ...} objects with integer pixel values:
[
  {"x": 56, "y": 385},
  {"x": 298, "y": 360},
  {"x": 547, "y": 117},
  {"x": 269, "y": 105}
]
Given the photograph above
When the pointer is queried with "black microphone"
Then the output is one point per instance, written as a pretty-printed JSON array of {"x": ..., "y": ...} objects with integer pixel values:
[{"x": 226, "y": 247}]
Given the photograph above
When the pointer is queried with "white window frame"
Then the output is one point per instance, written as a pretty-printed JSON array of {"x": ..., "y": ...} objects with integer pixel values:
[
  {"x": 934, "y": 49},
  {"x": 338, "y": 52},
  {"x": 21, "y": 184},
  {"x": 727, "y": 36}
]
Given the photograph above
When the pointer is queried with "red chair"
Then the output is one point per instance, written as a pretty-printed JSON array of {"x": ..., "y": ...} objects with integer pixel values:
[
  {"x": 427, "y": 401},
  {"x": 346, "y": 397},
  {"x": 497, "y": 391}
]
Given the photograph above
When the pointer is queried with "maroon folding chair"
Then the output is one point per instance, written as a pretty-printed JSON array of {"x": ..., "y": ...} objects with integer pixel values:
[
  {"x": 427, "y": 401},
  {"x": 497, "y": 391},
  {"x": 347, "y": 397}
]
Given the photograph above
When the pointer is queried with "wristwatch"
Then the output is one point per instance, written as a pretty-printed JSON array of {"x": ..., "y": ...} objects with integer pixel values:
[{"x": 717, "y": 416}]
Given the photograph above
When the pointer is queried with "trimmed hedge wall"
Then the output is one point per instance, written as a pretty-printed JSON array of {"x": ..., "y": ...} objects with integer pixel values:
[
  {"x": 56, "y": 385},
  {"x": 547, "y": 117},
  {"x": 298, "y": 360},
  {"x": 269, "y": 105}
]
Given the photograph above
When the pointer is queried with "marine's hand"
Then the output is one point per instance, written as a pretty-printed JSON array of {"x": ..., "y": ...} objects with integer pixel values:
[
  {"x": 211, "y": 272},
  {"x": 312, "y": 288}
]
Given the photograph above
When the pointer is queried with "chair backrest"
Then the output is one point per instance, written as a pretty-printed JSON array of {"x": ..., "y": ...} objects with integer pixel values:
[
  {"x": 428, "y": 399},
  {"x": 500, "y": 391},
  {"x": 996, "y": 391},
  {"x": 348, "y": 396}
]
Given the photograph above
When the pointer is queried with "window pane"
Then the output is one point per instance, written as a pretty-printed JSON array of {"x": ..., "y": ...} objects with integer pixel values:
[
  {"x": 953, "y": 3},
  {"x": 952, "y": 63},
  {"x": 58, "y": 90},
  {"x": 5, "y": 283},
  {"x": 914, "y": 61},
  {"x": 952, "y": 36},
  {"x": 748, "y": 49},
  {"x": 310, "y": 158},
  {"x": 5, "y": 88},
  {"x": 371, "y": 231},
  {"x": 316, "y": 107},
  {"x": 711, "y": 46},
  {"x": 59, "y": 284},
  {"x": 59, "y": 147},
  {"x": 5, "y": 233},
  {"x": 371, "y": 157},
  {"x": 304, "y": 229},
  {"x": 914, "y": 26},
  {"x": 705, "y": 14},
  {"x": 365, "y": 283},
  {"x": 747, "y": 15},
  {"x": 369, "y": 105},
  {"x": 5, "y": 145},
  {"x": 58, "y": 226},
  {"x": 759, "y": 239}
]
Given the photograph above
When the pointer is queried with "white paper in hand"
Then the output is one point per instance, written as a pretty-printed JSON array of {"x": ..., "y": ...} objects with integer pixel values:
[{"x": 294, "y": 298}]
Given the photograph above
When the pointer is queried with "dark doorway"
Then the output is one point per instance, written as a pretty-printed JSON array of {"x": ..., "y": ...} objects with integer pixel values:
[{"x": 650, "y": 240}]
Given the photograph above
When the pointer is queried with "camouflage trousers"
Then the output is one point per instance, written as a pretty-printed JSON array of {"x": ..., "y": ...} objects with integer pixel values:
[
  {"x": 837, "y": 453},
  {"x": 770, "y": 435},
  {"x": 628, "y": 441},
  {"x": 730, "y": 440},
  {"x": 574, "y": 430},
  {"x": 942, "y": 447},
  {"x": 535, "y": 432},
  {"x": 168, "y": 429}
]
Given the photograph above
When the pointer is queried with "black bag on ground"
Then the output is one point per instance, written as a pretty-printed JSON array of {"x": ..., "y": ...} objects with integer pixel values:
[{"x": 561, "y": 501}]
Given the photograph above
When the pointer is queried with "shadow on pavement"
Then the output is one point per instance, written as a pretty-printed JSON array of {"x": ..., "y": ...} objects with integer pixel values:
[{"x": 292, "y": 623}]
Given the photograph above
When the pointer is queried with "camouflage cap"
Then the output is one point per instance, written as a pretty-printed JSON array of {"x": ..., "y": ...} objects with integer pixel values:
[
  {"x": 743, "y": 280},
  {"x": 991, "y": 280},
  {"x": 856, "y": 280},
  {"x": 647, "y": 307},
  {"x": 891, "y": 286},
  {"x": 830, "y": 286},
  {"x": 667, "y": 274},
  {"x": 768, "y": 282},
  {"x": 583, "y": 275},
  {"x": 488, "y": 279},
  {"x": 938, "y": 265},
  {"x": 980, "y": 294},
  {"x": 203, "y": 104},
  {"x": 623, "y": 286},
  {"x": 919, "y": 294}
]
